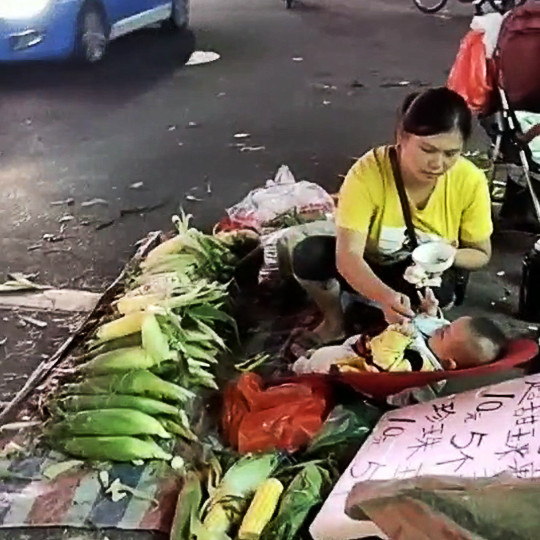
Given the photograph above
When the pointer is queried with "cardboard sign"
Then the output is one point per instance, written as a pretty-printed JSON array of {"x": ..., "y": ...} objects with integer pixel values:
[{"x": 479, "y": 433}]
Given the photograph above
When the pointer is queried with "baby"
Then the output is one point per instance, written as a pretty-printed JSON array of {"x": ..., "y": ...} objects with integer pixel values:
[{"x": 428, "y": 343}]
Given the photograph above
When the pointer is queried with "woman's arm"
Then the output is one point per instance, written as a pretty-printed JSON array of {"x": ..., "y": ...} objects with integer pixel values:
[
  {"x": 353, "y": 267},
  {"x": 473, "y": 255}
]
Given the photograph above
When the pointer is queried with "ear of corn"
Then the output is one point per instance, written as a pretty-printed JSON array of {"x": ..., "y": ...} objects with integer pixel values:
[
  {"x": 118, "y": 361},
  {"x": 177, "y": 429},
  {"x": 124, "y": 326},
  {"x": 96, "y": 348},
  {"x": 239, "y": 483},
  {"x": 117, "y": 401},
  {"x": 154, "y": 341},
  {"x": 132, "y": 304},
  {"x": 140, "y": 383},
  {"x": 261, "y": 509},
  {"x": 170, "y": 246},
  {"x": 187, "y": 508},
  {"x": 112, "y": 448},
  {"x": 110, "y": 422}
]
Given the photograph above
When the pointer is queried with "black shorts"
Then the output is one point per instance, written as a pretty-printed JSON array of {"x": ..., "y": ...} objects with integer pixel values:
[{"x": 314, "y": 259}]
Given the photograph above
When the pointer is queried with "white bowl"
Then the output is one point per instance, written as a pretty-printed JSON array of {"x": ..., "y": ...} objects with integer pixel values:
[{"x": 434, "y": 257}]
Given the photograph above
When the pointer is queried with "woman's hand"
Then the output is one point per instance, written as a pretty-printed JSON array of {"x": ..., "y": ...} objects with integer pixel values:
[
  {"x": 397, "y": 309},
  {"x": 428, "y": 303}
]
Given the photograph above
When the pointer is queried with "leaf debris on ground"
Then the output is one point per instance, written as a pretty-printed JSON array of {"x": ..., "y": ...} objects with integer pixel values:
[
  {"x": 94, "y": 202},
  {"x": 65, "y": 202},
  {"x": 141, "y": 209},
  {"x": 252, "y": 148},
  {"x": 33, "y": 322},
  {"x": 20, "y": 282}
]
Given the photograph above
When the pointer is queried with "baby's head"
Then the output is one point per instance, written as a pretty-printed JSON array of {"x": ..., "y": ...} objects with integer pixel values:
[{"x": 467, "y": 342}]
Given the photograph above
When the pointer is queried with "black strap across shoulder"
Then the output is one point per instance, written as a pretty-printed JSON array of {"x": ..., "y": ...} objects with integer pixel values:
[{"x": 405, "y": 206}]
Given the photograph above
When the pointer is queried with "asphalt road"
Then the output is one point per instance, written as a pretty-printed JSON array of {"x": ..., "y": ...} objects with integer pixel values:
[
  {"x": 315, "y": 87},
  {"x": 91, "y": 133}
]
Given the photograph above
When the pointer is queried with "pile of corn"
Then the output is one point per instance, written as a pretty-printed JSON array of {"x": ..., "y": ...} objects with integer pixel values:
[
  {"x": 249, "y": 503},
  {"x": 146, "y": 364}
]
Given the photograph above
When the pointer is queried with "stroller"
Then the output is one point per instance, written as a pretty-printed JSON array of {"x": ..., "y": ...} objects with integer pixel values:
[{"x": 513, "y": 124}]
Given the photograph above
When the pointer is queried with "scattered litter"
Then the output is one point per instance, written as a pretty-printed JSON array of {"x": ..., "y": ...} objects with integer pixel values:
[
  {"x": 208, "y": 185},
  {"x": 118, "y": 491},
  {"x": 94, "y": 202},
  {"x": 65, "y": 202},
  {"x": 104, "y": 224},
  {"x": 3, "y": 342},
  {"x": 17, "y": 426},
  {"x": 241, "y": 135},
  {"x": 35, "y": 322},
  {"x": 357, "y": 84},
  {"x": 192, "y": 125},
  {"x": 178, "y": 463},
  {"x": 65, "y": 219},
  {"x": 56, "y": 469},
  {"x": 252, "y": 148},
  {"x": 136, "y": 185},
  {"x": 326, "y": 102},
  {"x": 398, "y": 84},
  {"x": 202, "y": 57},
  {"x": 297, "y": 59},
  {"x": 171, "y": 128},
  {"x": 104, "y": 479},
  {"x": 33, "y": 247},
  {"x": 221, "y": 94},
  {"x": 531, "y": 327},
  {"x": 501, "y": 273},
  {"x": 325, "y": 87},
  {"x": 141, "y": 209},
  {"x": 492, "y": 303},
  {"x": 11, "y": 448},
  {"x": 52, "y": 238},
  {"x": 193, "y": 198},
  {"x": 180, "y": 144},
  {"x": 19, "y": 282}
]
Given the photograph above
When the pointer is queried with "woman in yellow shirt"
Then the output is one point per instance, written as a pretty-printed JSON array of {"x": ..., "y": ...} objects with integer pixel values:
[{"x": 448, "y": 198}]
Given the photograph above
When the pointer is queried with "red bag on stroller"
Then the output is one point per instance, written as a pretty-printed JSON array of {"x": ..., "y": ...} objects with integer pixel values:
[
  {"x": 472, "y": 75},
  {"x": 518, "y": 57}
]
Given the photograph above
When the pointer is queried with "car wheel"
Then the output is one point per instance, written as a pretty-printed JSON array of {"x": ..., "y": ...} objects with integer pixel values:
[
  {"x": 179, "y": 19},
  {"x": 92, "y": 34}
]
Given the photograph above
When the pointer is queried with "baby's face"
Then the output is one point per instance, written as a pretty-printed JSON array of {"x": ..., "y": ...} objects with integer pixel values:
[{"x": 451, "y": 345}]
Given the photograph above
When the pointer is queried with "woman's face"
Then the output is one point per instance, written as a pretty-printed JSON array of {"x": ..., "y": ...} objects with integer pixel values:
[{"x": 427, "y": 158}]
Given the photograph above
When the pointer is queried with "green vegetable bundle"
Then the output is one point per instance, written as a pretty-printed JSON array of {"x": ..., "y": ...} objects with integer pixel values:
[{"x": 151, "y": 360}]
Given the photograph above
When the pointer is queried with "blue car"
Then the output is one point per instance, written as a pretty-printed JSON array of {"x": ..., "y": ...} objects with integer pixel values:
[{"x": 56, "y": 29}]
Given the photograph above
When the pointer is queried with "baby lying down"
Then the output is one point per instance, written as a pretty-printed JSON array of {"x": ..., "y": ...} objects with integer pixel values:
[{"x": 426, "y": 344}]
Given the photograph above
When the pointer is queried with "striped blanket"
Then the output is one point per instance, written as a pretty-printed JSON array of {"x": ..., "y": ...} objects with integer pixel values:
[{"x": 76, "y": 498}]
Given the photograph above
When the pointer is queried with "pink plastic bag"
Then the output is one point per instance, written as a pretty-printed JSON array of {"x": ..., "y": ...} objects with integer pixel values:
[{"x": 280, "y": 196}]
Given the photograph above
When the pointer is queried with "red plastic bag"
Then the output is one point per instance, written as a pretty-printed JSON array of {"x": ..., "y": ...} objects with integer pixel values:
[
  {"x": 283, "y": 417},
  {"x": 472, "y": 75}
]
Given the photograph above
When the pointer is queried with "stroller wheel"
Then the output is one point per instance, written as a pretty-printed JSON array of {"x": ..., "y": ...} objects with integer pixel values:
[
  {"x": 503, "y": 6},
  {"x": 430, "y": 6}
]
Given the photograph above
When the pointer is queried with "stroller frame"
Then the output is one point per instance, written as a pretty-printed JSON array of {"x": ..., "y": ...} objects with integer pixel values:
[{"x": 512, "y": 145}]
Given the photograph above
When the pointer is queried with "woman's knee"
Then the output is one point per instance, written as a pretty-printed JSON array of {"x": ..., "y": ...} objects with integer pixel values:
[{"x": 314, "y": 258}]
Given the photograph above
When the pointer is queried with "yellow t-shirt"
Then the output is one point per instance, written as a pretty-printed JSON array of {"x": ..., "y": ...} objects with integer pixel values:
[{"x": 458, "y": 210}]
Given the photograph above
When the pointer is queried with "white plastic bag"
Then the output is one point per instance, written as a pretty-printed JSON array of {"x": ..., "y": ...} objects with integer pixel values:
[
  {"x": 280, "y": 196},
  {"x": 490, "y": 25}
]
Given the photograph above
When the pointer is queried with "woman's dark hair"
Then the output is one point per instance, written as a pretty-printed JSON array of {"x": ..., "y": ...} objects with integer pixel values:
[{"x": 437, "y": 110}]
